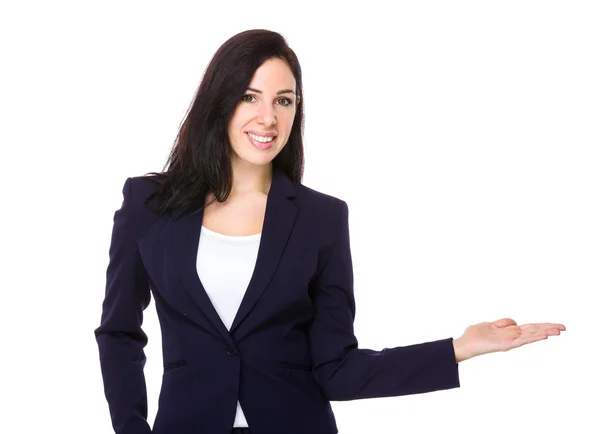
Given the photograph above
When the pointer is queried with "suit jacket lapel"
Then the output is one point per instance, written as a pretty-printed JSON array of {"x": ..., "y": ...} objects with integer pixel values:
[
  {"x": 186, "y": 235},
  {"x": 280, "y": 217}
]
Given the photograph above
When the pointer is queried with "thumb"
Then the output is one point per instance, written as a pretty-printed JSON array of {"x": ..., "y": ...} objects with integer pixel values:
[{"x": 504, "y": 322}]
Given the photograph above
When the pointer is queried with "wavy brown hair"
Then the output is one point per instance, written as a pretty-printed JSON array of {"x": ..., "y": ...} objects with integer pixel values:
[{"x": 200, "y": 160}]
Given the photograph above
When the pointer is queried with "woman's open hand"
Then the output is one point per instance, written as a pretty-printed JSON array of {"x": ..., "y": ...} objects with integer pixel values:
[{"x": 501, "y": 335}]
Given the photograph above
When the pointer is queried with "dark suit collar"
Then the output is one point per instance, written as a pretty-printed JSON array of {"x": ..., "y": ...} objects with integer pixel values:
[
  {"x": 281, "y": 185},
  {"x": 280, "y": 217}
]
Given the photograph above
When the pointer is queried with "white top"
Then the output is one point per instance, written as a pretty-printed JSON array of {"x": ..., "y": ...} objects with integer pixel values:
[{"x": 225, "y": 265}]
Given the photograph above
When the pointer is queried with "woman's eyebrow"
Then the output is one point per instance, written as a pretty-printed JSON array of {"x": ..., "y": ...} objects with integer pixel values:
[{"x": 278, "y": 92}]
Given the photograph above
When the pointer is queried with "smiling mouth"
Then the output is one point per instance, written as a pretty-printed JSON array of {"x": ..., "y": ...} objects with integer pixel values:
[
  {"x": 260, "y": 145},
  {"x": 264, "y": 138}
]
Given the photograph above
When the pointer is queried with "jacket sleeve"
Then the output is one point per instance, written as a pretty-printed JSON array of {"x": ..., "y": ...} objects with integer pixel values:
[
  {"x": 343, "y": 371},
  {"x": 120, "y": 337}
]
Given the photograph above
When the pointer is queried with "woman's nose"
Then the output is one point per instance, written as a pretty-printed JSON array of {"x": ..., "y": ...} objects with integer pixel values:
[{"x": 267, "y": 116}]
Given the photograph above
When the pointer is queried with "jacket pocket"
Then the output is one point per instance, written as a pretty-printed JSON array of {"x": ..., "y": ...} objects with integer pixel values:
[{"x": 174, "y": 365}]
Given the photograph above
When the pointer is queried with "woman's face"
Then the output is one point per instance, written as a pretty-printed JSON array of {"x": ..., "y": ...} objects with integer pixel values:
[{"x": 267, "y": 109}]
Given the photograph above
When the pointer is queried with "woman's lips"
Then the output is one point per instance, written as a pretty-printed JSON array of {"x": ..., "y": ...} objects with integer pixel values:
[{"x": 260, "y": 145}]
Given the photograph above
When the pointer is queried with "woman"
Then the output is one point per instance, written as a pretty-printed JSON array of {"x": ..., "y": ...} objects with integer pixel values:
[{"x": 251, "y": 273}]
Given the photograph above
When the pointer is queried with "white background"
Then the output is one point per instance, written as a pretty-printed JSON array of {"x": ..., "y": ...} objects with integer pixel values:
[{"x": 463, "y": 135}]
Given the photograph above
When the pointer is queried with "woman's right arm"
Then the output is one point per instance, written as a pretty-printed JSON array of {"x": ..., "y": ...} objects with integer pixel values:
[{"x": 120, "y": 338}]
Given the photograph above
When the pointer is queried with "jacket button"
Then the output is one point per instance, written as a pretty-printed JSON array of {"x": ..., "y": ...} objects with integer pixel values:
[{"x": 230, "y": 350}]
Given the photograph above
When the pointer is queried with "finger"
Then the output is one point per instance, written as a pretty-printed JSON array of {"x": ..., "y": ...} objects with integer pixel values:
[
  {"x": 537, "y": 331},
  {"x": 540, "y": 328},
  {"x": 529, "y": 328},
  {"x": 546, "y": 325},
  {"x": 504, "y": 322},
  {"x": 549, "y": 329},
  {"x": 528, "y": 340}
]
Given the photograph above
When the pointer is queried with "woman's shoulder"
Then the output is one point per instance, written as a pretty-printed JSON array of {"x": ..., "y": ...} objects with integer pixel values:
[
  {"x": 309, "y": 194},
  {"x": 141, "y": 188},
  {"x": 319, "y": 204},
  {"x": 143, "y": 185}
]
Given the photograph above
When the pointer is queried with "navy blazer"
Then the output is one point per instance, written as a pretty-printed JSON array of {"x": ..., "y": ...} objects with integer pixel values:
[{"x": 291, "y": 348}]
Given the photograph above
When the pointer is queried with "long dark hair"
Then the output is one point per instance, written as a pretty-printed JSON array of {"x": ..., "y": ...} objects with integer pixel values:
[{"x": 200, "y": 160}]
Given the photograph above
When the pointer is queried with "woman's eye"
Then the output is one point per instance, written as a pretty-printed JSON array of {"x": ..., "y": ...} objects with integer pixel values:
[{"x": 283, "y": 101}]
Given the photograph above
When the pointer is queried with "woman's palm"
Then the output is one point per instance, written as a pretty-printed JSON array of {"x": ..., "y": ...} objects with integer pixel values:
[{"x": 504, "y": 334}]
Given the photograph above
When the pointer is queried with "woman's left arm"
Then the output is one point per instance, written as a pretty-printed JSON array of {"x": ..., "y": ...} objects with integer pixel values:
[{"x": 346, "y": 372}]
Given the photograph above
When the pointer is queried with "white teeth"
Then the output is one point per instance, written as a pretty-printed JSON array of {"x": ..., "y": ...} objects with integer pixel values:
[{"x": 260, "y": 138}]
